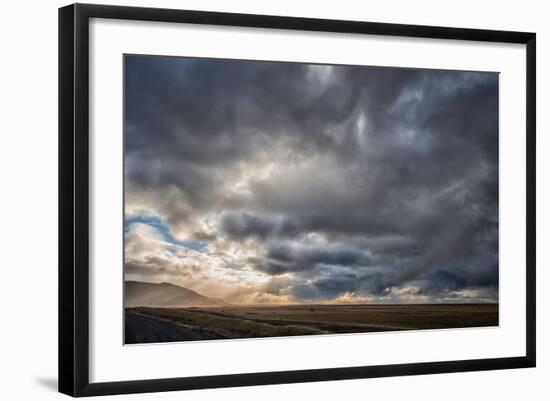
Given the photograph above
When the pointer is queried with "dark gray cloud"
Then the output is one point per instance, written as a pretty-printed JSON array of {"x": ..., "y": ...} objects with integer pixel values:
[
  {"x": 350, "y": 179},
  {"x": 293, "y": 257},
  {"x": 245, "y": 224},
  {"x": 335, "y": 285}
]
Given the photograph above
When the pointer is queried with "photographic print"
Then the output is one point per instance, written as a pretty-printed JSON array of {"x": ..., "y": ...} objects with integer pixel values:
[{"x": 267, "y": 199}]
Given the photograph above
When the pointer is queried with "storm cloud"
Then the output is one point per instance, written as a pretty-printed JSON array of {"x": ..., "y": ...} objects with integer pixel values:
[{"x": 314, "y": 182}]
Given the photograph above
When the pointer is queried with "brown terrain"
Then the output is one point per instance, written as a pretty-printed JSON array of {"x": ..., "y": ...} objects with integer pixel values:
[{"x": 160, "y": 324}]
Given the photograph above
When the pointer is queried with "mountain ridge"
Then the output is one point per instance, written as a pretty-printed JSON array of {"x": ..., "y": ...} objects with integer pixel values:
[{"x": 140, "y": 293}]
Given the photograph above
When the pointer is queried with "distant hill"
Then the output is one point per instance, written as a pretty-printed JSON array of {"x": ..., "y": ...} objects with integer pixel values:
[{"x": 164, "y": 294}]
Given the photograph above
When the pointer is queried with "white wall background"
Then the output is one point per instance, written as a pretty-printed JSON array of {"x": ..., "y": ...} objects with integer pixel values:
[{"x": 28, "y": 201}]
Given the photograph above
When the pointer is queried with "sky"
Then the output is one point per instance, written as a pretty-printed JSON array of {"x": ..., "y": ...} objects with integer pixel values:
[{"x": 270, "y": 182}]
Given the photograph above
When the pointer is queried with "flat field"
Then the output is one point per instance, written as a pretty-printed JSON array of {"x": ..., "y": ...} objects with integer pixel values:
[{"x": 149, "y": 325}]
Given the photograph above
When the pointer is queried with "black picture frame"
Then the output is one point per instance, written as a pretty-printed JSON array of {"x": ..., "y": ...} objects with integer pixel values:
[{"x": 74, "y": 198}]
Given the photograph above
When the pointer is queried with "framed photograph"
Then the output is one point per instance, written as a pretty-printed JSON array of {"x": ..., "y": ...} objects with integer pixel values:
[{"x": 250, "y": 199}]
